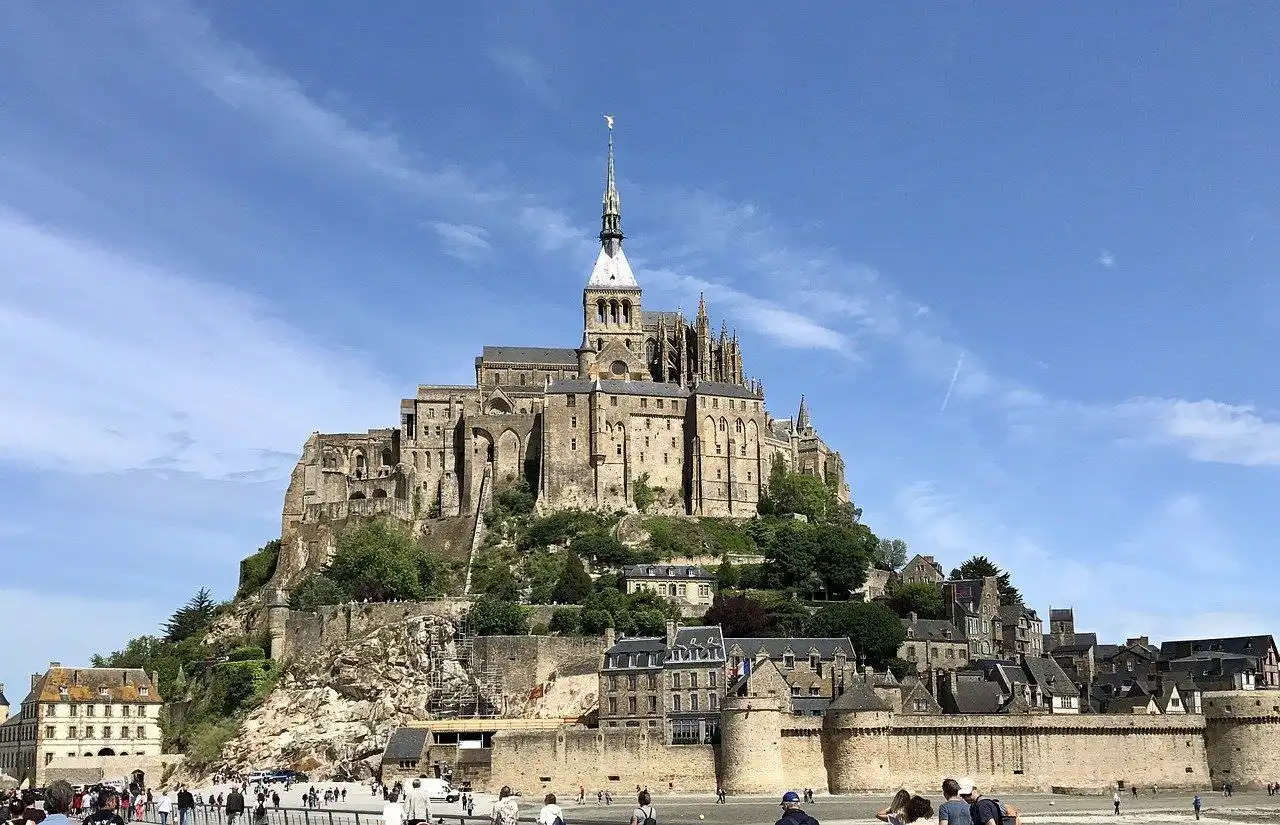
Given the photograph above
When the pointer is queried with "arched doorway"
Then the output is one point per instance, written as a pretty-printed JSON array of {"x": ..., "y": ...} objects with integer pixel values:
[
  {"x": 379, "y": 493},
  {"x": 357, "y": 495},
  {"x": 107, "y": 752}
]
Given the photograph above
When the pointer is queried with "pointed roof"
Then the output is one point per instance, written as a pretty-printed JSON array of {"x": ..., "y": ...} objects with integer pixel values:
[
  {"x": 612, "y": 271},
  {"x": 802, "y": 417},
  {"x": 857, "y": 697}
]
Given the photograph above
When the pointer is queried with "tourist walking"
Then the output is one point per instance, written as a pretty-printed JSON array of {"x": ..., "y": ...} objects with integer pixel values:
[
  {"x": 417, "y": 803},
  {"x": 792, "y": 813},
  {"x": 164, "y": 806},
  {"x": 550, "y": 813},
  {"x": 106, "y": 812},
  {"x": 393, "y": 811},
  {"x": 984, "y": 811},
  {"x": 644, "y": 813},
  {"x": 506, "y": 811},
  {"x": 954, "y": 810},
  {"x": 186, "y": 805},
  {"x": 235, "y": 806},
  {"x": 1115, "y": 800},
  {"x": 1195, "y": 805}
]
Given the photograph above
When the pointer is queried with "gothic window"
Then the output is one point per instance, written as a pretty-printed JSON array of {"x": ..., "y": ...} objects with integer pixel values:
[
  {"x": 737, "y": 427},
  {"x": 627, "y": 343},
  {"x": 748, "y": 475},
  {"x": 442, "y": 459},
  {"x": 600, "y": 311},
  {"x": 668, "y": 422},
  {"x": 523, "y": 377},
  {"x": 431, "y": 413},
  {"x": 646, "y": 441},
  {"x": 664, "y": 458},
  {"x": 651, "y": 350},
  {"x": 715, "y": 403},
  {"x": 723, "y": 425},
  {"x": 717, "y": 472}
]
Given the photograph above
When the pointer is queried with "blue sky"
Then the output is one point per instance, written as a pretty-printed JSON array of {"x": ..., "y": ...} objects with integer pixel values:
[{"x": 225, "y": 226}]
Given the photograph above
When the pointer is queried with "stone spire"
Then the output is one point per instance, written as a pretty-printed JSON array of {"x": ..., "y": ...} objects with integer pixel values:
[
  {"x": 612, "y": 269},
  {"x": 611, "y": 219},
  {"x": 702, "y": 306},
  {"x": 802, "y": 417}
]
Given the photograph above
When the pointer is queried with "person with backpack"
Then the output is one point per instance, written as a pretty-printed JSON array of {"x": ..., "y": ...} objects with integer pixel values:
[
  {"x": 645, "y": 813},
  {"x": 984, "y": 811},
  {"x": 792, "y": 813},
  {"x": 550, "y": 813},
  {"x": 506, "y": 811},
  {"x": 1196, "y": 803}
]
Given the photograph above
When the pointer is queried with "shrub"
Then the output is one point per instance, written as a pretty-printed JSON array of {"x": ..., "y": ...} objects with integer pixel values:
[
  {"x": 565, "y": 620},
  {"x": 247, "y": 653},
  {"x": 257, "y": 570},
  {"x": 205, "y": 743},
  {"x": 493, "y": 617},
  {"x": 315, "y": 590}
]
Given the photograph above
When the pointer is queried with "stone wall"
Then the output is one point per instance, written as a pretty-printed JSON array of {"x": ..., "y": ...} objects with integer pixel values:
[
  {"x": 524, "y": 662},
  {"x": 877, "y": 751},
  {"x": 85, "y": 770},
  {"x": 1242, "y": 736},
  {"x": 306, "y": 632},
  {"x": 558, "y": 761}
]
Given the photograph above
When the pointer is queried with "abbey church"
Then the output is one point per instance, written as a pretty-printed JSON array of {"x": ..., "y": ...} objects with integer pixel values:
[{"x": 647, "y": 396}]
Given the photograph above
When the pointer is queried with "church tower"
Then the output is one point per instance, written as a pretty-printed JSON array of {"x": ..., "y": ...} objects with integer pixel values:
[{"x": 613, "y": 323}]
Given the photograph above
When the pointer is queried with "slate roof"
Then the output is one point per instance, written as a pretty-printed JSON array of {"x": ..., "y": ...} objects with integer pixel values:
[
  {"x": 406, "y": 744},
  {"x": 1050, "y": 676},
  {"x": 775, "y": 647},
  {"x": 966, "y": 591},
  {"x": 616, "y": 657},
  {"x": 651, "y": 317},
  {"x": 701, "y": 643},
  {"x": 723, "y": 388},
  {"x": 857, "y": 696},
  {"x": 809, "y": 705},
  {"x": 95, "y": 684},
  {"x": 1237, "y": 645},
  {"x": 3, "y": 699},
  {"x": 1010, "y": 613},
  {"x": 558, "y": 356},
  {"x": 615, "y": 387},
  {"x": 977, "y": 696},
  {"x": 933, "y": 630},
  {"x": 691, "y": 572}
]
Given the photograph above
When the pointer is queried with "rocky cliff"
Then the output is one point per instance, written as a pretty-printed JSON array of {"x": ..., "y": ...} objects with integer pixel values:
[{"x": 333, "y": 711}]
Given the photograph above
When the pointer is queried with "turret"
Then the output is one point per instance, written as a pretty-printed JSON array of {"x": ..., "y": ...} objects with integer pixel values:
[{"x": 751, "y": 745}]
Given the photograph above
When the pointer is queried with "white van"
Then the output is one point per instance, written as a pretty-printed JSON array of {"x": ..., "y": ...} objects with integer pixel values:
[
  {"x": 437, "y": 790},
  {"x": 254, "y": 777}
]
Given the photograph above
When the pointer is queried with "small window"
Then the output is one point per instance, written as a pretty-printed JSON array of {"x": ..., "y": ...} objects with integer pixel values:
[
  {"x": 675, "y": 702},
  {"x": 573, "y": 444},
  {"x": 613, "y": 401},
  {"x": 644, "y": 402},
  {"x": 815, "y": 690},
  {"x": 613, "y": 704},
  {"x": 659, "y": 403},
  {"x": 573, "y": 422},
  {"x": 571, "y": 400},
  {"x": 788, "y": 660},
  {"x": 675, "y": 405},
  {"x": 619, "y": 449},
  {"x": 795, "y": 690}
]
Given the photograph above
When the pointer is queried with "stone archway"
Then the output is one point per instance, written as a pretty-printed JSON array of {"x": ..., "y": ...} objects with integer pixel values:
[{"x": 107, "y": 752}]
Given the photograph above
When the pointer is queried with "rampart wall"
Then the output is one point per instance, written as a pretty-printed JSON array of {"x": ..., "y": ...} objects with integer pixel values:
[
  {"x": 88, "y": 770},
  {"x": 305, "y": 632},
  {"x": 1242, "y": 736},
  {"x": 876, "y": 751},
  {"x": 524, "y": 662},
  {"x": 558, "y": 761}
]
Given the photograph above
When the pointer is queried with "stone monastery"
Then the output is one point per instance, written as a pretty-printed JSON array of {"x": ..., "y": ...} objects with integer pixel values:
[{"x": 645, "y": 394}]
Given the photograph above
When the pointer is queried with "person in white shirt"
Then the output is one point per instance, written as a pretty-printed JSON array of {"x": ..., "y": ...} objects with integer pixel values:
[
  {"x": 550, "y": 813},
  {"x": 393, "y": 811},
  {"x": 417, "y": 803},
  {"x": 164, "y": 806}
]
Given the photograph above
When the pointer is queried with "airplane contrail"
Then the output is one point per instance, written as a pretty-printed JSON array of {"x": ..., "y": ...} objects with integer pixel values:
[{"x": 952, "y": 385}]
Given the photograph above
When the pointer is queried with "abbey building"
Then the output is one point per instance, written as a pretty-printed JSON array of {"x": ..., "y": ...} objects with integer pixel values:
[{"x": 649, "y": 399}]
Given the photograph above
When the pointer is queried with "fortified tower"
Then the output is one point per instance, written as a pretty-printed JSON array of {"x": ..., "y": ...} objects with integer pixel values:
[
  {"x": 857, "y": 749},
  {"x": 1242, "y": 736},
  {"x": 751, "y": 744}
]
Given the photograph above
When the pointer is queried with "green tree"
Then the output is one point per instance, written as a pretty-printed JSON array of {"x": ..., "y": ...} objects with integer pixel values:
[
  {"x": 379, "y": 561},
  {"x": 642, "y": 494},
  {"x": 515, "y": 500},
  {"x": 890, "y": 554},
  {"x": 806, "y": 495},
  {"x": 980, "y": 567},
  {"x": 492, "y": 617},
  {"x": 842, "y": 555},
  {"x": 315, "y": 590},
  {"x": 574, "y": 584},
  {"x": 542, "y": 569},
  {"x": 565, "y": 620},
  {"x": 190, "y": 619},
  {"x": 788, "y": 617},
  {"x": 602, "y": 549},
  {"x": 922, "y": 598},
  {"x": 875, "y": 631},
  {"x": 727, "y": 577},
  {"x": 257, "y": 570}
]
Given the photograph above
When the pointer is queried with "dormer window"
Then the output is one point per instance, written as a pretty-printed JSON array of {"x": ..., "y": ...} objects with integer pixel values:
[
  {"x": 788, "y": 660},
  {"x": 63, "y": 693},
  {"x": 144, "y": 691},
  {"x": 104, "y": 693}
]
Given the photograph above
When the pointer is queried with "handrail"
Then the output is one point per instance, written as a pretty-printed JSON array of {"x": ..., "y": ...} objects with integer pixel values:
[{"x": 212, "y": 815}]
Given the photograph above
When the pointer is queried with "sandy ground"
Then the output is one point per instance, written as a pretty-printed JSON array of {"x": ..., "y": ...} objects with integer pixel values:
[{"x": 701, "y": 809}]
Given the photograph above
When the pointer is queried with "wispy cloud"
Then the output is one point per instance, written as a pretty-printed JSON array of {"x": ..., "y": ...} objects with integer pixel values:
[
  {"x": 552, "y": 229},
  {"x": 125, "y": 366},
  {"x": 461, "y": 241},
  {"x": 784, "y": 326},
  {"x": 292, "y": 116},
  {"x": 1106, "y": 259},
  {"x": 526, "y": 70},
  {"x": 1205, "y": 430}
]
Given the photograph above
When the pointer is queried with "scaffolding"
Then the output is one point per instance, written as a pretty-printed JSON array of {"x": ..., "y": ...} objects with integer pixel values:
[{"x": 461, "y": 685}]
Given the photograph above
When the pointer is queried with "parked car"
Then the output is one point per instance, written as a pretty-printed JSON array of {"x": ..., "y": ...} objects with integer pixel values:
[
  {"x": 285, "y": 776},
  {"x": 439, "y": 789}
]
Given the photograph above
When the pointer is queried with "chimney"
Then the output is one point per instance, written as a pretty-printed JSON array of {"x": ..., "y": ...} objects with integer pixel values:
[
  {"x": 35, "y": 678},
  {"x": 911, "y": 617},
  {"x": 610, "y": 637},
  {"x": 671, "y": 632}
]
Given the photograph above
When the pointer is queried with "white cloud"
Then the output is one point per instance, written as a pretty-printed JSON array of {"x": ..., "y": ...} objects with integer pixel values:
[
  {"x": 292, "y": 117},
  {"x": 784, "y": 326},
  {"x": 527, "y": 71},
  {"x": 1205, "y": 430},
  {"x": 464, "y": 242},
  {"x": 1106, "y": 259},
  {"x": 117, "y": 365},
  {"x": 552, "y": 229}
]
